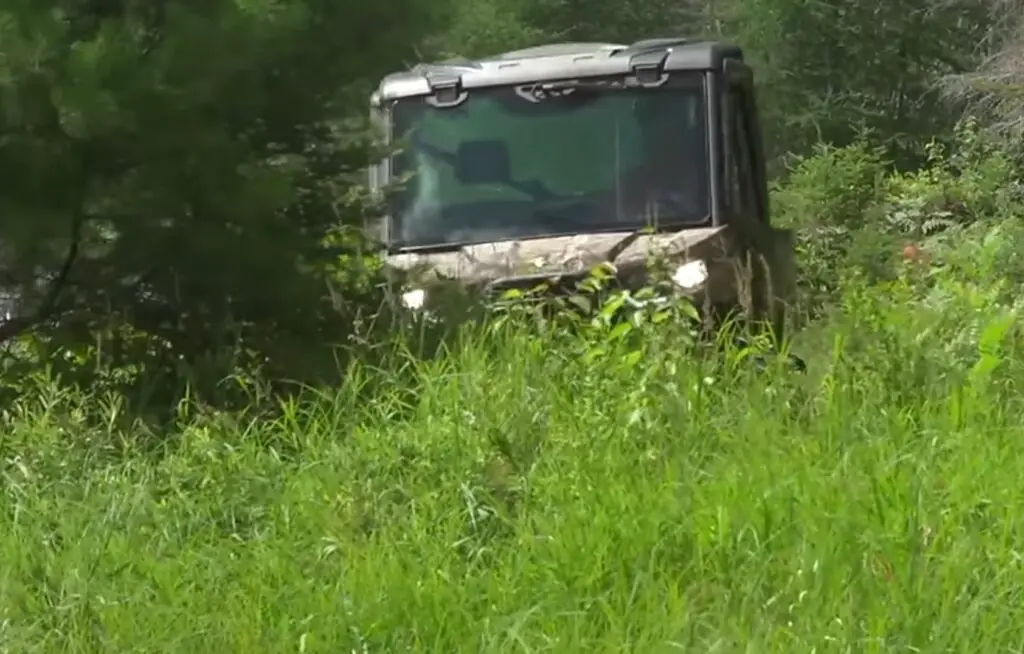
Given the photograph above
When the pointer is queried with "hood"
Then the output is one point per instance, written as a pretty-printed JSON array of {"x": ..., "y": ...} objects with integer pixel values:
[{"x": 575, "y": 254}]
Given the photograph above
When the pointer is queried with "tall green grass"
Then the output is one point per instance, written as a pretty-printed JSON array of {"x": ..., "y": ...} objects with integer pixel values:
[{"x": 538, "y": 495}]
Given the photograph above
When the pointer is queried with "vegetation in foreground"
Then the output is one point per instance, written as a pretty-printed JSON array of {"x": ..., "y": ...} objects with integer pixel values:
[
  {"x": 530, "y": 498},
  {"x": 594, "y": 492},
  {"x": 165, "y": 166}
]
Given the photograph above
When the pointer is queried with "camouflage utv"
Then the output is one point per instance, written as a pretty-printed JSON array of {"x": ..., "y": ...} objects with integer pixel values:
[{"x": 540, "y": 164}]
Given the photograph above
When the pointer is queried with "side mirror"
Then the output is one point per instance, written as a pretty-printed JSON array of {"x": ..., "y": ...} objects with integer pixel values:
[{"x": 483, "y": 162}]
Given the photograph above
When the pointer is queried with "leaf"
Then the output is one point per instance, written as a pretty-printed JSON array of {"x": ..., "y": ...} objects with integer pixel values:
[
  {"x": 581, "y": 302},
  {"x": 620, "y": 331},
  {"x": 995, "y": 332},
  {"x": 594, "y": 353},
  {"x": 632, "y": 358}
]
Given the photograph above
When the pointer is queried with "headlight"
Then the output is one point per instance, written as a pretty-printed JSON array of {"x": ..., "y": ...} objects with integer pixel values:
[
  {"x": 415, "y": 299},
  {"x": 691, "y": 275}
]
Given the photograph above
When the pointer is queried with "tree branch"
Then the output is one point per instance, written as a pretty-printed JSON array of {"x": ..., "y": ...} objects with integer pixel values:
[{"x": 15, "y": 326}]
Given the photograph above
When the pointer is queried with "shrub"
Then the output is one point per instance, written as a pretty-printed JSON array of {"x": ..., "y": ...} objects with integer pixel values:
[{"x": 828, "y": 197}]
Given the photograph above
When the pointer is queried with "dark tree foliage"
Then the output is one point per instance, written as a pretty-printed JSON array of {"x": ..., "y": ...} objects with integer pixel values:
[{"x": 172, "y": 169}]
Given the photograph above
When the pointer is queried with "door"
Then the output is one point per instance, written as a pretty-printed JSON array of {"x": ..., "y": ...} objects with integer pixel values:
[{"x": 746, "y": 192}]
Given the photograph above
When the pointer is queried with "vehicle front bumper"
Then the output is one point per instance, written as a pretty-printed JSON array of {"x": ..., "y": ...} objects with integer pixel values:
[{"x": 688, "y": 282}]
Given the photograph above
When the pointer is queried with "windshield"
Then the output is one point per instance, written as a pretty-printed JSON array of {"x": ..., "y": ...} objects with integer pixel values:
[{"x": 509, "y": 163}]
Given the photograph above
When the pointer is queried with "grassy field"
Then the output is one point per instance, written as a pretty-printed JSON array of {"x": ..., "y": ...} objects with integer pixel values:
[{"x": 535, "y": 497}]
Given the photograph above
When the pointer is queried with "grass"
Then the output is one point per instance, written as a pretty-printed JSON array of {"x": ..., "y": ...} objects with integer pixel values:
[{"x": 529, "y": 498}]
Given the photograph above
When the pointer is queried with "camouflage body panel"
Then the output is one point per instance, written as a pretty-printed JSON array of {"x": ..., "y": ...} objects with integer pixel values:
[
  {"x": 494, "y": 267},
  {"x": 509, "y": 264}
]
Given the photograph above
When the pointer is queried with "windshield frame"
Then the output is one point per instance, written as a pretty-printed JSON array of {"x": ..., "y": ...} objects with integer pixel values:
[{"x": 697, "y": 81}]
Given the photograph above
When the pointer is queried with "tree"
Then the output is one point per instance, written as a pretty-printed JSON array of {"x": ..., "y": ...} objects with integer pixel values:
[
  {"x": 995, "y": 89},
  {"x": 177, "y": 165},
  {"x": 829, "y": 71}
]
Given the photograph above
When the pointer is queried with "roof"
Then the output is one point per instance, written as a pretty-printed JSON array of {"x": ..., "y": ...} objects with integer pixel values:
[{"x": 558, "y": 61}]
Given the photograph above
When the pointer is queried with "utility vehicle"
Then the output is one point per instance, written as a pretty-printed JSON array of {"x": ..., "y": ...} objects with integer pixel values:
[{"x": 540, "y": 164}]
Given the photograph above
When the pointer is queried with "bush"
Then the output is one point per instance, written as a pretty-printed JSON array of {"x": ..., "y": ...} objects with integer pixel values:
[
  {"x": 566, "y": 492},
  {"x": 853, "y": 216},
  {"x": 828, "y": 198}
]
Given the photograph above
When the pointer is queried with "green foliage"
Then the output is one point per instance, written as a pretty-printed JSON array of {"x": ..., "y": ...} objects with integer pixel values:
[
  {"x": 513, "y": 491},
  {"x": 830, "y": 71},
  {"x": 175, "y": 171},
  {"x": 181, "y": 200},
  {"x": 829, "y": 198},
  {"x": 971, "y": 181},
  {"x": 852, "y": 216}
]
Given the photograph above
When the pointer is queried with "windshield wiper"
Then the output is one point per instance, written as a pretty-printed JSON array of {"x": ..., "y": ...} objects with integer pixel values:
[{"x": 432, "y": 248}]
